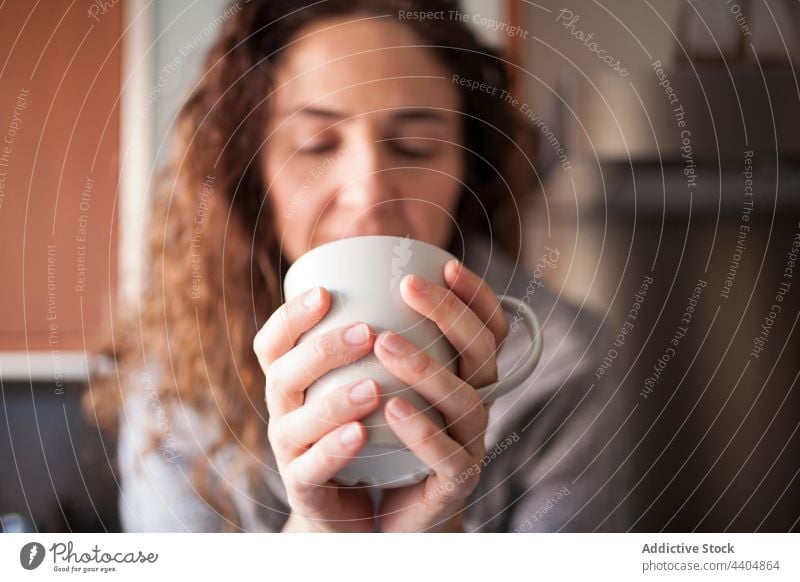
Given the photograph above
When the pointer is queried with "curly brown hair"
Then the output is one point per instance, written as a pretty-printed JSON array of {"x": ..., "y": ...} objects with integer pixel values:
[{"x": 214, "y": 269}]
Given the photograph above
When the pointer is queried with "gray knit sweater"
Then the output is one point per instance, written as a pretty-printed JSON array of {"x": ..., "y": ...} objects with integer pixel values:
[{"x": 554, "y": 447}]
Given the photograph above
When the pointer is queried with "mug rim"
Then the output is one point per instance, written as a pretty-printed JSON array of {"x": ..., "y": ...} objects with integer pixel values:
[{"x": 320, "y": 248}]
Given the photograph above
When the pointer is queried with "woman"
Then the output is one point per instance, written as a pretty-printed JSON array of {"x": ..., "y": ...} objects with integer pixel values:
[{"x": 346, "y": 118}]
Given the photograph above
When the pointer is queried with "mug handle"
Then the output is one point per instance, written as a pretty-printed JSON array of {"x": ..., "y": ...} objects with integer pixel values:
[{"x": 512, "y": 380}]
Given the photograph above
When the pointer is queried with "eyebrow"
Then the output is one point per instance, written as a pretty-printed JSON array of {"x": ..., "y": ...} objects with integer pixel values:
[{"x": 405, "y": 115}]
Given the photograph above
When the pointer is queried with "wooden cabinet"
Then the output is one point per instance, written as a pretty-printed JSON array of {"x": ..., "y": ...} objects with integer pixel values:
[{"x": 59, "y": 159}]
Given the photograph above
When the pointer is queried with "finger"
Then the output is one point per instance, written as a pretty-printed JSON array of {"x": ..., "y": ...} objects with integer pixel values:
[
  {"x": 459, "y": 403},
  {"x": 290, "y": 375},
  {"x": 469, "y": 335},
  {"x": 296, "y": 430},
  {"x": 423, "y": 438},
  {"x": 323, "y": 460},
  {"x": 288, "y": 323},
  {"x": 476, "y": 293}
]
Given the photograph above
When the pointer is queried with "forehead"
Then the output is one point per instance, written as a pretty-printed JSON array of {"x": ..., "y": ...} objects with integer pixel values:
[{"x": 362, "y": 64}]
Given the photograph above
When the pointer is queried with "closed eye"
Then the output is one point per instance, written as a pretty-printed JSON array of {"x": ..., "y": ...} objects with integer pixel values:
[{"x": 319, "y": 148}]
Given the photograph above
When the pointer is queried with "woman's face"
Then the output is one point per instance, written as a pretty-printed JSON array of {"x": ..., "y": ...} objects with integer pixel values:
[{"x": 363, "y": 138}]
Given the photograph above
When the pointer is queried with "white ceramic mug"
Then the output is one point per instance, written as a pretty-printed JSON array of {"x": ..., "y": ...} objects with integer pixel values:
[{"x": 362, "y": 275}]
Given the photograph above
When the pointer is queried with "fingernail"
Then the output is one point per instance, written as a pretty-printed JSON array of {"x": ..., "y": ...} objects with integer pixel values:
[
  {"x": 399, "y": 408},
  {"x": 362, "y": 392},
  {"x": 356, "y": 334},
  {"x": 393, "y": 343},
  {"x": 417, "y": 283},
  {"x": 350, "y": 435},
  {"x": 313, "y": 298}
]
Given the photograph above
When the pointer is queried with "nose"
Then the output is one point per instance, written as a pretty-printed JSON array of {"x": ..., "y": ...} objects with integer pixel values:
[{"x": 364, "y": 178}]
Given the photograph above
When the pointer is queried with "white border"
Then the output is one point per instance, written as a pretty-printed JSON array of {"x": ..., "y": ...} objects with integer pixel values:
[
  {"x": 136, "y": 141},
  {"x": 44, "y": 366}
]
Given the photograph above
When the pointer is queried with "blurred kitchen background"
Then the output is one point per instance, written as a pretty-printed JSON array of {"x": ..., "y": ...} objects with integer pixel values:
[{"x": 669, "y": 152}]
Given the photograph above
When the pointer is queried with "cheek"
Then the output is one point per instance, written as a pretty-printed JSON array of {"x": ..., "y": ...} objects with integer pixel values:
[
  {"x": 439, "y": 185},
  {"x": 438, "y": 193},
  {"x": 430, "y": 203},
  {"x": 291, "y": 198}
]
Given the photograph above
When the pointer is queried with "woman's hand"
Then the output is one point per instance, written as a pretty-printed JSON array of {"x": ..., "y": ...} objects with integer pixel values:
[
  {"x": 313, "y": 441},
  {"x": 471, "y": 318}
]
